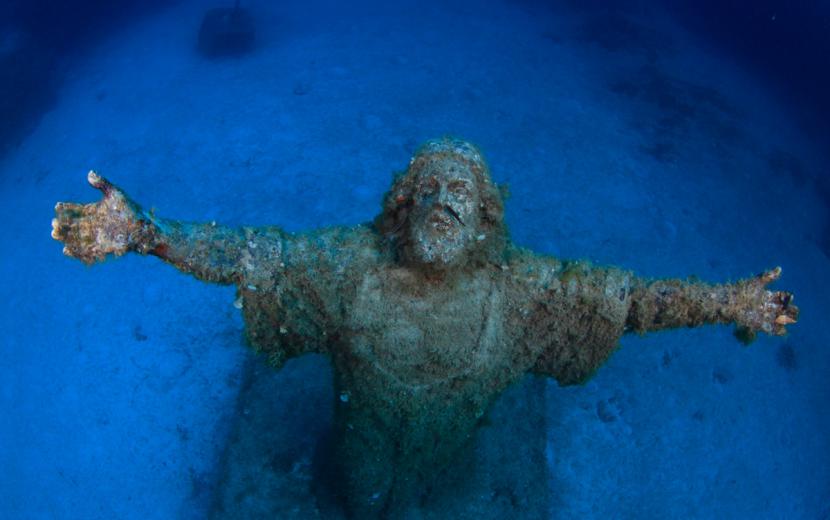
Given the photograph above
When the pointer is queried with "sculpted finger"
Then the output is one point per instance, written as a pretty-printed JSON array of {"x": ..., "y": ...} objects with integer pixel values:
[
  {"x": 79, "y": 242},
  {"x": 783, "y": 302},
  {"x": 779, "y": 327},
  {"x": 68, "y": 218},
  {"x": 68, "y": 209},
  {"x": 783, "y": 298},
  {"x": 98, "y": 182},
  {"x": 770, "y": 276},
  {"x": 783, "y": 319},
  {"x": 85, "y": 255},
  {"x": 57, "y": 230},
  {"x": 66, "y": 215},
  {"x": 787, "y": 316}
]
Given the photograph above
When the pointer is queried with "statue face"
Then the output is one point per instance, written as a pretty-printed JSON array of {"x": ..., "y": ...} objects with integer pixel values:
[{"x": 444, "y": 222}]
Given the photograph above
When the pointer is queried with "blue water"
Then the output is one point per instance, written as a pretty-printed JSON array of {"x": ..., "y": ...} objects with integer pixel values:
[{"x": 673, "y": 139}]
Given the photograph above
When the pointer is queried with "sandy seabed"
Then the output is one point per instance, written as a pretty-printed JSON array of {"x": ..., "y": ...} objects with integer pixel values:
[{"x": 127, "y": 391}]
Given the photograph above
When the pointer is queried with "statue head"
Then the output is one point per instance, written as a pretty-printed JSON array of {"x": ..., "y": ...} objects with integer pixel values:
[{"x": 445, "y": 211}]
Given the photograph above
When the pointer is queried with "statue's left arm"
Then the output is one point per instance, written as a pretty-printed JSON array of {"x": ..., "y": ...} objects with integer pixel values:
[
  {"x": 577, "y": 312},
  {"x": 748, "y": 303}
]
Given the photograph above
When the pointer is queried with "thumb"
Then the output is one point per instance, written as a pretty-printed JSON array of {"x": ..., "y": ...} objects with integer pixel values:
[{"x": 98, "y": 182}]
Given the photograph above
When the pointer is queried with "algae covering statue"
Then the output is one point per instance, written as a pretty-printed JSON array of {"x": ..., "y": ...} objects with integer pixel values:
[{"x": 427, "y": 314}]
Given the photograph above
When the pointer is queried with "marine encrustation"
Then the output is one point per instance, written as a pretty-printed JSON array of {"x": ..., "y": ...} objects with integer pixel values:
[{"x": 427, "y": 314}]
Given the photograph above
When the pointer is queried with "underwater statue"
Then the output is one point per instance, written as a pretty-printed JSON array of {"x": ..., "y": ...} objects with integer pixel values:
[{"x": 427, "y": 314}]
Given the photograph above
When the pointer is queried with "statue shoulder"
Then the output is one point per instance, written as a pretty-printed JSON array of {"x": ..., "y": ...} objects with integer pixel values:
[
  {"x": 545, "y": 279},
  {"x": 569, "y": 314},
  {"x": 299, "y": 303},
  {"x": 531, "y": 272}
]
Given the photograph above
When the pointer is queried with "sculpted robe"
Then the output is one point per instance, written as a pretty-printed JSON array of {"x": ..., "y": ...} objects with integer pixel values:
[{"x": 418, "y": 363}]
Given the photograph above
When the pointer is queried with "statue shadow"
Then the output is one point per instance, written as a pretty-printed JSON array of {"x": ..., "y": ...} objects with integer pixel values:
[{"x": 277, "y": 462}]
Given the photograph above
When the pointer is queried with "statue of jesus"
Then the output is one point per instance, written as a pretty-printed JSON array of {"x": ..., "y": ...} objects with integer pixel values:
[{"x": 427, "y": 314}]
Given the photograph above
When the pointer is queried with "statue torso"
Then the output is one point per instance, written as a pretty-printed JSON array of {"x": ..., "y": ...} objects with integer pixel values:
[{"x": 419, "y": 334}]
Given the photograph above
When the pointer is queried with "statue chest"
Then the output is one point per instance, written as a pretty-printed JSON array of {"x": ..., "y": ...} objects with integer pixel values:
[{"x": 426, "y": 333}]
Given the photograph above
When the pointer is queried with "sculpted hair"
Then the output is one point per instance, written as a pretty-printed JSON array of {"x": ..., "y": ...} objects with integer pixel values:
[{"x": 393, "y": 221}]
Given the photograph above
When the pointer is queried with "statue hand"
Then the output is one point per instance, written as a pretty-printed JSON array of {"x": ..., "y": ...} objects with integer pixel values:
[
  {"x": 115, "y": 224},
  {"x": 761, "y": 309}
]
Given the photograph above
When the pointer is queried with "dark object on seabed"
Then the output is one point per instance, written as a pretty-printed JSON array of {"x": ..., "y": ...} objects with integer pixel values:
[{"x": 226, "y": 31}]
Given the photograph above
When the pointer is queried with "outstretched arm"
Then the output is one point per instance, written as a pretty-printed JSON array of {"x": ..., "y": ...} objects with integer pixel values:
[
  {"x": 582, "y": 311},
  {"x": 117, "y": 225},
  {"x": 663, "y": 304}
]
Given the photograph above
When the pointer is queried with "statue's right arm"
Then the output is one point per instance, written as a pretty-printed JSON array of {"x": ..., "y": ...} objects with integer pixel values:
[{"x": 117, "y": 225}]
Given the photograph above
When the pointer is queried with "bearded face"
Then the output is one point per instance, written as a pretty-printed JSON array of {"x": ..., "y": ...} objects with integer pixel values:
[
  {"x": 445, "y": 212},
  {"x": 444, "y": 219}
]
